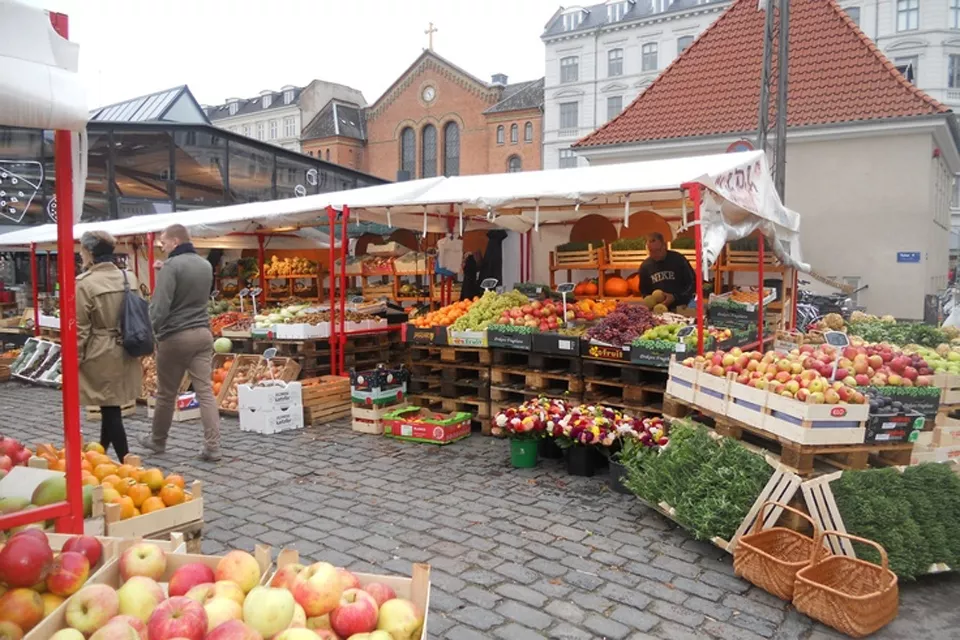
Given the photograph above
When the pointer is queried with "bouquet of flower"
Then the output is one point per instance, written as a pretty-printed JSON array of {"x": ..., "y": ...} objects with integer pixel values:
[
  {"x": 641, "y": 437},
  {"x": 533, "y": 419}
]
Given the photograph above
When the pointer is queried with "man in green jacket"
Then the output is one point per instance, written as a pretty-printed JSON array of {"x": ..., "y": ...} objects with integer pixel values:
[{"x": 178, "y": 312}]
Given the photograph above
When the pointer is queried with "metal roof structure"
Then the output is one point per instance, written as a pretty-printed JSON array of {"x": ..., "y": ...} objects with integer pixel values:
[{"x": 155, "y": 107}]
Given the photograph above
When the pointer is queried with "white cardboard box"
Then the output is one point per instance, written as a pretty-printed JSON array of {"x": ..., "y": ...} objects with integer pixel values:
[
  {"x": 275, "y": 420},
  {"x": 269, "y": 396}
]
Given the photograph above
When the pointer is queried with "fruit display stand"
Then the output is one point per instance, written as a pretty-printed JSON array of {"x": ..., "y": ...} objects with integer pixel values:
[
  {"x": 415, "y": 589},
  {"x": 325, "y": 399},
  {"x": 573, "y": 257},
  {"x": 185, "y": 518},
  {"x": 611, "y": 379}
]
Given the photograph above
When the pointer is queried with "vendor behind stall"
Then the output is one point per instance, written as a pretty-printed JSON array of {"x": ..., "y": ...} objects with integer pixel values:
[{"x": 666, "y": 271}]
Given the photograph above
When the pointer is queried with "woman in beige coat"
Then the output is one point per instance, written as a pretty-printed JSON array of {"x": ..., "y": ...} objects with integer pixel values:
[{"x": 109, "y": 377}]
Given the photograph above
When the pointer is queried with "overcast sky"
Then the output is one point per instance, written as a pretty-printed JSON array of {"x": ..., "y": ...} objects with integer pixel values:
[{"x": 236, "y": 48}]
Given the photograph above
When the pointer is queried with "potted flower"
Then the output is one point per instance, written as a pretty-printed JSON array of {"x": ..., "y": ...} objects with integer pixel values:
[
  {"x": 637, "y": 437},
  {"x": 525, "y": 426}
]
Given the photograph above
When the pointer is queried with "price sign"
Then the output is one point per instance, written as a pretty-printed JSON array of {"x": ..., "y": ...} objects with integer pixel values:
[
  {"x": 244, "y": 292},
  {"x": 488, "y": 283},
  {"x": 836, "y": 339},
  {"x": 683, "y": 332},
  {"x": 256, "y": 291},
  {"x": 357, "y": 300},
  {"x": 270, "y": 353},
  {"x": 566, "y": 287},
  {"x": 214, "y": 294}
]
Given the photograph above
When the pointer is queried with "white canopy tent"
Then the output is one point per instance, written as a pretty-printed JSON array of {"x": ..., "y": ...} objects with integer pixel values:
[{"x": 739, "y": 198}]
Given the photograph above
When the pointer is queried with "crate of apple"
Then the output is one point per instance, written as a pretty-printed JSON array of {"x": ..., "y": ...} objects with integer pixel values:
[
  {"x": 36, "y": 578},
  {"x": 12, "y": 454},
  {"x": 544, "y": 316},
  {"x": 149, "y": 593}
]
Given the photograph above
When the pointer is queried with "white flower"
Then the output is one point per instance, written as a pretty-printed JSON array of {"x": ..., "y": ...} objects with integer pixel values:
[{"x": 501, "y": 420}]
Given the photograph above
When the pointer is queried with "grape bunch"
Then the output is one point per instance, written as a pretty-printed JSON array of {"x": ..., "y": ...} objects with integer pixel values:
[
  {"x": 487, "y": 310},
  {"x": 623, "y": 325}
]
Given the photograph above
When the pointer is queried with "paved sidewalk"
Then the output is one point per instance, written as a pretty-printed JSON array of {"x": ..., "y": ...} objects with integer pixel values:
[{"x": 515, "y": 554}]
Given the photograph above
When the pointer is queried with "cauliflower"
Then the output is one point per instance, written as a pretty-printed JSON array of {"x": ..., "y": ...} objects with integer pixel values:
[
  {"x": 888, "y": 319},
  {"x": 833, "y": 321}
]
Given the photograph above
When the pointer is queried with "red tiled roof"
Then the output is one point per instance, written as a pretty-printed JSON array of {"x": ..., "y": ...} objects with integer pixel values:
[{"x": 837, "y": 74}]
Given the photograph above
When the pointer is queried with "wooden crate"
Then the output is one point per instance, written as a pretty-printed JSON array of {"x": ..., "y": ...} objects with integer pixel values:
[
  {"x": 808, "y": 423},
  {"x": 4, "y": 372},
  {"x": 625, "y": 258},
  {"x": 682, "y": 381},
  {"x": 949, "y": 384},
  {"x": 93, "y": 413},
  {"x": 186, "y": 518},
  {"x": 710, "y": 392},
  {"x": 584, "y": 258},
  {"x": 745, "y": 403}
]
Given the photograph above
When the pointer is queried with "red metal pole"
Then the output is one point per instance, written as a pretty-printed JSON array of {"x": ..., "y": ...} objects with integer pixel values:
[
  {"x": 261, "y": 260},
  {"x": 698, "y": 245},
  {"x": 760, "y": 241},
  {"x": 151, "y": 241},
  {"x": 343, "y": 288},
  {"x": 331, "y": 218},
  {"x": 35, "y": 287},
  {"x": 136, "y": 261},
  {"x": 69, "y": 353}
]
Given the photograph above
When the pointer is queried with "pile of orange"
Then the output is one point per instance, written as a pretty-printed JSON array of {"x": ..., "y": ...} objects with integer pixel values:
[
  {"x": 135, "y": 489},
  {"x": 220, "y": 376},
  {"x": 444, "y": 316},
  {"x": 599, "y": 308}
]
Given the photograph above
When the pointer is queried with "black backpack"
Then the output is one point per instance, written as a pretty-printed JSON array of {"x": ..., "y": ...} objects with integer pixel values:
[{"x": 135, "y": 328}]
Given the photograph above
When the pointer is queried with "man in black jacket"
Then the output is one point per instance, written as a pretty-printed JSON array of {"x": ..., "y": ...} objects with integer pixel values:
[{"x": 667, "y": 271}]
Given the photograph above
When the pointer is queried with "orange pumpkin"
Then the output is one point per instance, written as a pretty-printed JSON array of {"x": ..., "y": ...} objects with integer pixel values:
[
  {"x": 590, "y": 288},
  {"x": 616, "y": 287},
  {"x": 578, "y": 290},
  {"x": 633, "y": 283}
]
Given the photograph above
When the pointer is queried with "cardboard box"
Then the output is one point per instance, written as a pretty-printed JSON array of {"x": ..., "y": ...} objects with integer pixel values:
[
  {"x": 186, "y": 409},
  {"x": 934, "y": 454},
  {"x": 270, "y": 396},
  {"x": 270, "y": 421},
  {"x": 423, "y": 425}
]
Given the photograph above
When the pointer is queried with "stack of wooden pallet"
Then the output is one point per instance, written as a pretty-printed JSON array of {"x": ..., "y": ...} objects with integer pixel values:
[{"x": 325, "y": 399}]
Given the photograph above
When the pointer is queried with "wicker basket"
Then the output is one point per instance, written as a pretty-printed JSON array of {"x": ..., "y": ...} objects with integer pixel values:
[
  {"x": 853, "y": 596},
  {"x": 770, "y": 559}
]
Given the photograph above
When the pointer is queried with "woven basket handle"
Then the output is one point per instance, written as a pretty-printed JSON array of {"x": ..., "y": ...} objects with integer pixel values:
[
  {"x": 759, "y": 521},
  {"x": 818, "y": 546}
]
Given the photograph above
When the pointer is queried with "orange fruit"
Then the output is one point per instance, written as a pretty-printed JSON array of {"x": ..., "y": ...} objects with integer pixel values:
[
  {"x": 139, "y": 493},
  {"x": 90, "y": 479},
  {"x": 153, "y": 478},
  {"x": 176, "y": 480},
  {"x": 90, "y": 456},
  {"x": 171, "y": 494},
  {"x": 151, "y": 504},
  {"x": 116, "y": 482},
  {"x": 93, "y": 446},
  {"x": 85, "y": 465},
  {"x": 104, "y": 470},
  {"x": 126, "y": 507},
  {"x": 59, "y": 465},
  {"x": 126, "y": 470},
  {"x": 98, "y": 459},
  {"x": 51, "y": 461},
  {"x": 109, "y": 494}
]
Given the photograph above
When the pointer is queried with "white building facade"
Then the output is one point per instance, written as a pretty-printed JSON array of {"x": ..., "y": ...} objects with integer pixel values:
[{"x": 600, "y": 57}]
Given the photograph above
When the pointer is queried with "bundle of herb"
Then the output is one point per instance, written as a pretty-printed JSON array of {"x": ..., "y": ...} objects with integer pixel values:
[
  {"x": 900, "y": 333},
  {"x": 579, "y": 246},
  {"x": 629, "y": 244},
  {"x": 683, "y": 243}
]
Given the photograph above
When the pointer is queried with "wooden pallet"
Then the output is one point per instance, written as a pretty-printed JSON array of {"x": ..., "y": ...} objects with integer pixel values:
[
  {"x": 316, "y": 416},
  {"x": 465, "y": 387},
  {"x": 532, "y": 360},
  {"x": 552, "y": 383},
  {"x": 641, "y": 398},
  {"x": 465, "y": 355},
  {"x": 509, "y": 396},
  {"x": 623, "y": 372},
  {"x": 431, "y": 401},
  {"x": 479, "y": 407}
]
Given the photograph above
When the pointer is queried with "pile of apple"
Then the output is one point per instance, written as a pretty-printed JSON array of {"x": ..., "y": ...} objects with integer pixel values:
[
  {"x": 34, "y": 581},
  {"x": 545, "y": 316},
  {"x": 12, "y": 454},
  {"x": 319, "y": 602}
]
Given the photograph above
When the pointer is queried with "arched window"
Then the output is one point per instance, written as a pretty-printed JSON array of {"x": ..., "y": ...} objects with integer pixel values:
[
  {"x": 328, "y": 155},
  {"x": 428, "y": 153},
  {"x": 514, "y": 134},
  {"x": 408, "y": 152},
  {"x": 500, "y": 134},
  {"x": 514, "y": 165},
  {"x": 528, "y": 132},
  {"x": 451, "y": 149}
]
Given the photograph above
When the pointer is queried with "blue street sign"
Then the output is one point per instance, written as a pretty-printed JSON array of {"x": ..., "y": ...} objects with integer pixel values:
[{"x": 908, "y": 256}]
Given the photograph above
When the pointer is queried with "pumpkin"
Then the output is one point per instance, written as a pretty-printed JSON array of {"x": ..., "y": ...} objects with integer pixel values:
[
  {"x": 578, "y": 290},
  {"x": 616, "y": 287},
  {"x": 590, "y": 288},
  {"x": 633, "y": 283}
]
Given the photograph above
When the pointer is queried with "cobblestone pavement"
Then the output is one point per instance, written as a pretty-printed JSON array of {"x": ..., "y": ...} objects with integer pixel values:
[{"x": 515, "y": 554}]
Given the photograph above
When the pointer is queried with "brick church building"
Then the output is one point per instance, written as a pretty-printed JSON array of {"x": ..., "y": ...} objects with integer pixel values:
[{"x": 436, "y": 119}]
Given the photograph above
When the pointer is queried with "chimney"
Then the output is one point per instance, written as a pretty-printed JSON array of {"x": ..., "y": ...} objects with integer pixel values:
[{"x": 499, "y": 80}]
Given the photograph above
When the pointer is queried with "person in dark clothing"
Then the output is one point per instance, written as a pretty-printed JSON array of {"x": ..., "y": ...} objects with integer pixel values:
[
  {"x": 492, "y": 264},
  {"x": 471, "y": 282},
  {"x": 667, "y": 271}
]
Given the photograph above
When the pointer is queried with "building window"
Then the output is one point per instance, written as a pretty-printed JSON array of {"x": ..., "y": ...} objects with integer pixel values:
[
  {"x": 500, "y": 134},
  {"x": 428, "y": 153},
  {"x": 267, "y": 101},
  {"x": 514, "y": 165},
  {"x": 955, "y": 14},
  {"x": 408, "y": 152},
  {"x": 614, "y": 107},
  {"x": 683, "y": 42},
  {"x": 615, "y": 63},
  {"x": 290, "y": 127},
  {"x": 854, "y": 14},
  {"x": 328, "y": 155},
  {"x": 569, "y": 118},
  {"x": 616, "y": 10},
  {"x": 246, "y": 130},
  {"x": 288, "y": 96},
  {"x": 233, "y": 108},
  {"x": 569, "y": 69},
  {"x": 907, "y": 65},
  {"x": 648, "y": 57},
  {"x": 514, "y": 134},
  {"x": 908, "y": 15},
  {"x": 451, "y": 149},
  {"x": 953, "y": 71},
  {"x": 528, "y": 132},
  {"x": 274, "y": 129},
  {"x": 260, "y": 129},
  {"x": 572, "y": 19},
  {"x": 568, "y": 159}
]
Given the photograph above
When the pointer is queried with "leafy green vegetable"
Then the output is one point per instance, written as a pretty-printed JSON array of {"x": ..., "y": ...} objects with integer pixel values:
[
  {"x": 579, "y": 246},
  {"x": 629, "y": 244},
  {"x": 711, "y": 484},
  {"x": 900, "y": 333},
  {"x": 683, "y": 243}
]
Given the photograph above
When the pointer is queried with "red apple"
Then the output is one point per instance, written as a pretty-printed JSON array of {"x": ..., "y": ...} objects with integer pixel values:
[
  {"x": 92, "y": 607},
  {"x": 22, "y": 607},
  {"x": 356, "y": 613},
  {"x": 380, "y": 592},
  {"x": 802, "y": 395},
  {"x": 139, "y": 625},
  {"x": 88, "y": 546},
  {"x": 6, "y": 463},
  {"x": 144, "y": 559},
  {"x": 347, "y": 579},
  {"x": 68, "y": 573},
  {"x": 910, "y": 373},
  {"x": 188, "y": 576},
  {"x": 318, "y": 589},
  {"x": 239, "y": 567},
  {"x": 25, "y": 560},
  {"x": 233, "y": 630},
  {"x": 10, "y": 631},
  {"x": 178, "y": 617},
  {"x": 862, "y": 380},
  {"x": 116, "y": 631}
]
